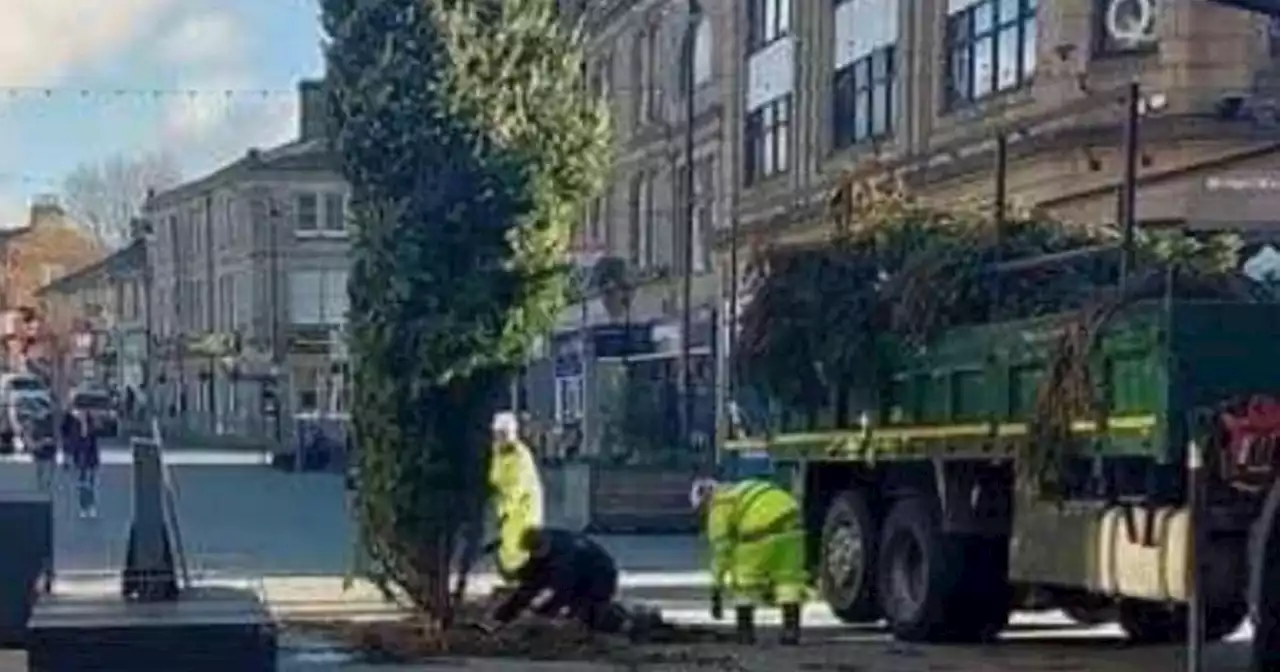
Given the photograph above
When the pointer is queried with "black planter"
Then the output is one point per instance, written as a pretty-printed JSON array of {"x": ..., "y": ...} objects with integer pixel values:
[{"x": 26, "y": 526}]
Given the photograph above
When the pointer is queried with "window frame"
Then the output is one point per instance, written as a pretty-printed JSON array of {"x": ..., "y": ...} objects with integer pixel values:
[
  {"x": 570, "y": 399},
  {"x": 964, "y": 38},
  {"x": 298, "y": 220},
  {"x": 850, "y": 83},
  {"x": 768, "y": 129},
  {"x": 765, "y": 28}
]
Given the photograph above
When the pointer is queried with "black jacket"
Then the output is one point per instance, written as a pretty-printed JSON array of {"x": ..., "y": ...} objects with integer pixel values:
[{"x": 578, "y": 572}]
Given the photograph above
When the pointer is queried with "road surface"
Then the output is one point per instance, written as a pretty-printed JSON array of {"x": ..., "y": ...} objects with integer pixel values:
[{"x": 289, "y": 536}]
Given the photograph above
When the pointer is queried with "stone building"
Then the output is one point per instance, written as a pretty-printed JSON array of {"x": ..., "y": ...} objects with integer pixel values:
[
  {"x": 637, "y": 60},
  {"x": 250, "y": 265},
  {"x": 923, "y": 88},
  {"x": 100, "y": 313}
]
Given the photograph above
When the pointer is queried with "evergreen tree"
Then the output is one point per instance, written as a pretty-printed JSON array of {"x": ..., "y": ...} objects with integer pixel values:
[{"x": 471, "y": 146}]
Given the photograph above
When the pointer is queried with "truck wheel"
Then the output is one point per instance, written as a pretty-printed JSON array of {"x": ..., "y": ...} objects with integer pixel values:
[
  {"x": 918, "y": 568},
  {"x": 1156, "y": 623},
  {"x": 847, "y": 564}
]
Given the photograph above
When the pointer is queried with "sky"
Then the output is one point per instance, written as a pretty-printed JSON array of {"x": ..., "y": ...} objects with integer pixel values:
[{"x": 78, "y": 81}]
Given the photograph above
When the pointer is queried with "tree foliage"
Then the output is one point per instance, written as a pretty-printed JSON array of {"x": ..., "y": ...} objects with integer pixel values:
[
  {"x": 105, "y": 197},
  {"x": 471, "y": 147},
  {"x": 825, "y": 321}
]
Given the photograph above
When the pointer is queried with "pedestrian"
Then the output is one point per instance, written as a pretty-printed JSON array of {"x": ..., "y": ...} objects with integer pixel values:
[
  {"x": 80, "y": 441},
  {"x": 757, "y": 544},
  {"x": 39, "y": 435},
  {"x": 580, "y": 577},
  {"x": 516, "y": 490}
]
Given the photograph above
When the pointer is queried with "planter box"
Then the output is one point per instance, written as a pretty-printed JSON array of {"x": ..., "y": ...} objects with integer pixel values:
[
  {"x": 26, "y": 526},
  {"x": 205, "y": 630}
]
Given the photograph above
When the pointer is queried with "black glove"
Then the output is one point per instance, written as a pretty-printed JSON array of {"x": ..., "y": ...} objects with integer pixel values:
[{"x": 717, "y": 605}]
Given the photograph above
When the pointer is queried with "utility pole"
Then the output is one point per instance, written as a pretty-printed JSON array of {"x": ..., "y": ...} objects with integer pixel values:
[
  {"x": 1126, "y": 196},
  {"x": 1000, "y": 215},
  {"x": 688, "y": 406},
  {"x": 275, "y": 215},
  {"x": 180, "y": 337}
]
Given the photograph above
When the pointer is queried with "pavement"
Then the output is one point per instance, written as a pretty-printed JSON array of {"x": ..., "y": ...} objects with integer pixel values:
[{"x": 289, "y": 537}]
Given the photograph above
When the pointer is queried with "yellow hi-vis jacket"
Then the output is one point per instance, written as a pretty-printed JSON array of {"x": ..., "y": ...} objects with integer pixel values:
[
  {"x": 757, "y": 543},
  {"x": 517, "y": 498}
]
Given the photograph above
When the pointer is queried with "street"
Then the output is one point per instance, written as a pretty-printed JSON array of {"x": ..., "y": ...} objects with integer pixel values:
[{"x": 288, "y": 536}]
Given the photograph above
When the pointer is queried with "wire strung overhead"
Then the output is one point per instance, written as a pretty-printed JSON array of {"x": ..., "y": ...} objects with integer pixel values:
[{"x": 54, "y": 92}]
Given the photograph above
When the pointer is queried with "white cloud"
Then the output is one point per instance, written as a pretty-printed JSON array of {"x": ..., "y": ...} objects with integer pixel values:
[
  {"x": 41, "y": 40},
  {"x": 208, "y": 38},
  {"x": 211, "y": 128}
]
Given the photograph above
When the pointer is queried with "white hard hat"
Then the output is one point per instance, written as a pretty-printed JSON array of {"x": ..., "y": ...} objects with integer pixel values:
[
  {"x": 701, "y": 491},
  {"x": 505, "y": 422}
]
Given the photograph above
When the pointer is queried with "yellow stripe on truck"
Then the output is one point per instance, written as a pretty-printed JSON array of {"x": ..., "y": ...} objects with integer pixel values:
[{"x": 1123, "y": 423}]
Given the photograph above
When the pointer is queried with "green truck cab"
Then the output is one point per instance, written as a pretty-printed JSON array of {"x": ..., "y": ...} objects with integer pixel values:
[{"x": 941, "y": 511}]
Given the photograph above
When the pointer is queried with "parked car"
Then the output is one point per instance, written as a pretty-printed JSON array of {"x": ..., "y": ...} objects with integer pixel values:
[
  {"x": 17, "y": 384},
  {"x": 100, "y": 405},
  {"x": 33, "y": 422}
]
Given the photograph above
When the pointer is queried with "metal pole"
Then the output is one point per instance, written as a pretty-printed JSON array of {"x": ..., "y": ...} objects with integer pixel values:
[
  {"x": 4, "y": 301},
  {"x": 1126, "y": 197},
  {"x": 1195, "y": 600},
  {"x": 277, "y": 346},
  {"x": 686, "y": 327},
  {"x": 1001, "y": 197},
  {"x": 180, "y": 337}
]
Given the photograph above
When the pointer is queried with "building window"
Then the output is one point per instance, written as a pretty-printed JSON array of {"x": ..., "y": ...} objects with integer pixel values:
[
  {"x": 653, "y": 60},
  {"x": 318, "y": 297},
  {"x": 335, "y": 213},
  {"x": 642, "y": 224},
  {"x": 569, "y": 401},
  {"x": 768, "y": 138},
  {"x": 308, "y": 213},
  {"x": 991, "y": 48},
  {"x": 703, "y": 52},
  {"x": 865, "y": 69},
  {"x": 704, "y": 217},
  {"x": 639, "y": 98},
  {"x": 863, "y": 98},
  {"x": 703, "y": 211},
  {"x": 767, "y": 22}
]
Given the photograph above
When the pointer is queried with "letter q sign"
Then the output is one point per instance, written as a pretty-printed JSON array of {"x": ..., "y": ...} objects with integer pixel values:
[{"x": 1131, "y": 22}]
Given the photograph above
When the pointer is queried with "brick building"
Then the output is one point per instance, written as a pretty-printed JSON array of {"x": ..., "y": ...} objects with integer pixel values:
[{"x": 48, "y": 247}]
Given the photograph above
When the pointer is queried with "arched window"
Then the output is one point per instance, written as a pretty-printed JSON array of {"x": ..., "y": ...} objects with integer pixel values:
[{"x": 703, "y": 47}]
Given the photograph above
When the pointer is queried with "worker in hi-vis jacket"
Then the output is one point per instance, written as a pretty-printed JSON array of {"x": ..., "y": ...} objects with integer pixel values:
[
  {"x": 516, "y": 494},
  {"x": 757, "y": 551}
]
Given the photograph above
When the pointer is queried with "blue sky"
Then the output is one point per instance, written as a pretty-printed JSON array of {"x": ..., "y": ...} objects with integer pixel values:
[{"x": 104, "y": 46}]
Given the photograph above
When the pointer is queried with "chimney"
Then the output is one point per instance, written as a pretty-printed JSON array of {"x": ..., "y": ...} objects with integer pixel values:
[
  {"x": 313, "y": 110},
  {"x": 45, "y": 209}
]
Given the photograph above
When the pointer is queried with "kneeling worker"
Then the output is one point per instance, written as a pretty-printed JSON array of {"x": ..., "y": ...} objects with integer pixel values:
[
  {"x": 580, "y": 575},
  {"x": 757, "y": 551}
]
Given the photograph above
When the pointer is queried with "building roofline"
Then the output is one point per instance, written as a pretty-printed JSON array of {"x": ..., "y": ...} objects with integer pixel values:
[
  {"x": 285, "y": 155},
  {"x": 133, "y": 254}
]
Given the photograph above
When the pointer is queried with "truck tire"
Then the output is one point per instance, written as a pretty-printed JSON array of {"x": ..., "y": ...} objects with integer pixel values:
[
  {"x": 847, "y": 559},
  {"x": 936, "y": 587},
  {"x": 1157, "y": 623}
]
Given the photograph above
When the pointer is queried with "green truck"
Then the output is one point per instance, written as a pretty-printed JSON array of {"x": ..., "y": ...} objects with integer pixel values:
[{"x": 945, "y": 507}]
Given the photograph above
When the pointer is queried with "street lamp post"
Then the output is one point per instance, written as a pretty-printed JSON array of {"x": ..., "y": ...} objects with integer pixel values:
[{"x": 690, "y": 210}]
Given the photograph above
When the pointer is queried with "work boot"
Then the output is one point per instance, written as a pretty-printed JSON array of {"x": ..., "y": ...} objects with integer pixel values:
[
  {"x": 790, "y": 624},
  {"x": 746, "y": 618}
]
